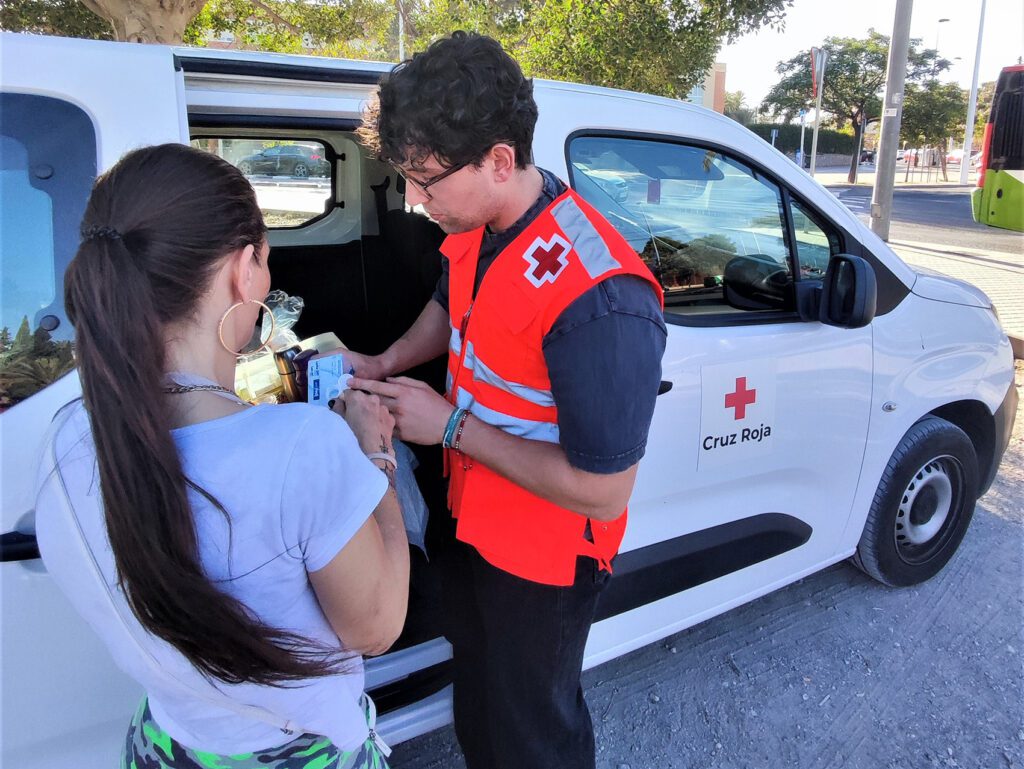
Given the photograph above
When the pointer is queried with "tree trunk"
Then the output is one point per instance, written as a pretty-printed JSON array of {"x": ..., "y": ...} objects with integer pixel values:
[
  {"x": 858, "y": 129},
  {"x": 942, "y": 158},
  {"x": 147, "y": 21}
]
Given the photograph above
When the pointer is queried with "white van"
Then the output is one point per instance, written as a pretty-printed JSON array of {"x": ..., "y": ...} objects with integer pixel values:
[{"x": 821, "y": 399}]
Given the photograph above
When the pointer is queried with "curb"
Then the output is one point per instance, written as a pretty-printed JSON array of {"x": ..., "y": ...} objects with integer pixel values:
[{"x": 904, "y": 186}]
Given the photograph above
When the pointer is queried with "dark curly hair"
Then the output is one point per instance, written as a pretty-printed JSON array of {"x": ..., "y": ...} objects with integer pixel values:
[{"x": 455, "y": 100}]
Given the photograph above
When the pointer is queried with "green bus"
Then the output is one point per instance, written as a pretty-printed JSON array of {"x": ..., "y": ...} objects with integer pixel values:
[{"x": 999, "y": 199}]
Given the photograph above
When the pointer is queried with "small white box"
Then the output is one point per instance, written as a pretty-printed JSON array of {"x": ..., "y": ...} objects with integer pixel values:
[{"x": 327, "y": 377}]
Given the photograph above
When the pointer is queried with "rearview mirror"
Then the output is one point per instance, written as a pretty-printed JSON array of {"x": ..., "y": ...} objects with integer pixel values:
[{"x": 847, "y": 296}]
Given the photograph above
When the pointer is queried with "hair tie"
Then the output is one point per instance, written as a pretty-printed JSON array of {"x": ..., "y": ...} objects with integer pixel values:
[{"x": 97, "y": 231}]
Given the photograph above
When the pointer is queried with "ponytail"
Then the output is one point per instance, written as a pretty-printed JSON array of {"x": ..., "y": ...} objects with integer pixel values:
[{"x": 156, "y": 227}]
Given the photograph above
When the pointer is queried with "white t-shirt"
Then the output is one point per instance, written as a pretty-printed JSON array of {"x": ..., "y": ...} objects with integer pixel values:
[{"x": 297, "y": 487}]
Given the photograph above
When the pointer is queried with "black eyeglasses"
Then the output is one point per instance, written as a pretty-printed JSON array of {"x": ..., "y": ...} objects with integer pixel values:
[{"x": 424, "y": 185}]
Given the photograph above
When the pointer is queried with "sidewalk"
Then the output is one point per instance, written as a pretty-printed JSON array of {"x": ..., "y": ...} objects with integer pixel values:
[
  {"x": 919, "y": 177},
  {"x": 998, "y": 273}
]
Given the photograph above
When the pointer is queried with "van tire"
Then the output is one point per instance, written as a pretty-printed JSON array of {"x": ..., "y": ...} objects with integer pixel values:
[{"x": 923, "y": 505}]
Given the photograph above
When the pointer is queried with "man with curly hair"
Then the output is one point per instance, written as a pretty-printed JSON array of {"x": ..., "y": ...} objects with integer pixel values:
[{"x": 554, "y": 332}]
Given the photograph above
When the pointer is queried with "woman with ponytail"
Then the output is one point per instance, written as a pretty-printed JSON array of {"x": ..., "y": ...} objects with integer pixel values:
[{"x": 236, "y": 560}]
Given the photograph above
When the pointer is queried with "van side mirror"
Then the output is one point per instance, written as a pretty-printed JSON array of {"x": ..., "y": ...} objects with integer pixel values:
[{"x": 847, "y": 297}]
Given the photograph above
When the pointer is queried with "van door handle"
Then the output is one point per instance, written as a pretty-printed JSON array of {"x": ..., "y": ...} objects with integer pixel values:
[
  {"x": 15, "y": 546},
  {"x": 664, "y": 387}
]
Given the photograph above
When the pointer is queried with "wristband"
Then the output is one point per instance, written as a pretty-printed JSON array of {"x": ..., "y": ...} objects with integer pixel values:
[
  {"x": 385, "y": 457},
  {"x": 449, "y": 429}
]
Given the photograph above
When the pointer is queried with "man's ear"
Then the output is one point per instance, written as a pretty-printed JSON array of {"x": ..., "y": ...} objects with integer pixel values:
[
  {"x": 242, "y": 268},
  {"x": 503, "y": 159}
]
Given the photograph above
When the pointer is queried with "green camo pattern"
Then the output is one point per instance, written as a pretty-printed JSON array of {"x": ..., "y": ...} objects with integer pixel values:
[{"x": 147, "y": 746}]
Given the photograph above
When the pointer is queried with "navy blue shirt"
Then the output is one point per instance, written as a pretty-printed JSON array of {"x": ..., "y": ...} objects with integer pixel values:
[{"x": 603, "y": 355}]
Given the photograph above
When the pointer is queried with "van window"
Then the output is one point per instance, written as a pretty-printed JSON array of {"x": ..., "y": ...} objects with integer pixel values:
[
  {"x": 711, "y": 229},
  {"x": 293, "y": 178},
  {"x": 815, "y": 245},
  {"x": 47, "y": 167}
]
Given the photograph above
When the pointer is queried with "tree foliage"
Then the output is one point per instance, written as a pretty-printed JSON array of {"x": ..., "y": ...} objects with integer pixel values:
[
  {"x": 933, "y": 111},
  {"x": 986, "y": 92},
  {"x": 736, "y": 108},
  {"x": 657, "y": 46},
  {"x": 854, "y": 79},
  {"x": 53, "y": 17}
]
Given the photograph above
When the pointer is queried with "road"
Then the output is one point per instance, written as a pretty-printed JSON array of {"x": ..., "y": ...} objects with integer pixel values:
[{"x": 933, "y": 215}]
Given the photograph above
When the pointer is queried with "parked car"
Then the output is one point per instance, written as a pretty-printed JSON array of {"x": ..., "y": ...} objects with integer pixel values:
[
  {"x": 611, "y": 183},
  {"x": 298, "y": 160},
  {"x": 956, "y": 156},
  {"x": 821, "y": 401}
]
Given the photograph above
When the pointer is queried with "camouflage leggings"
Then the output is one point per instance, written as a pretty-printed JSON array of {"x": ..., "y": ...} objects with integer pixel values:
[{"x": 147, "y": 746}]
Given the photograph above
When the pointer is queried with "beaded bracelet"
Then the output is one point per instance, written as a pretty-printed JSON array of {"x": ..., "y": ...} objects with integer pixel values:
[
  {"x": 458, "y": 433},
  {"x": 385, "y": 457},
  {"x": 449, "y": 430}
]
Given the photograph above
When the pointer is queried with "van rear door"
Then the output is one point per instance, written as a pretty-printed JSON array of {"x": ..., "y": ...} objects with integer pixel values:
[{"x": 70, "y": 109}]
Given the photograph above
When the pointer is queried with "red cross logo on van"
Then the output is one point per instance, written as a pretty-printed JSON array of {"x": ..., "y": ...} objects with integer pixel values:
[
  {"x": 740, "y": 399},
  {"x": 547, "y": 259}
]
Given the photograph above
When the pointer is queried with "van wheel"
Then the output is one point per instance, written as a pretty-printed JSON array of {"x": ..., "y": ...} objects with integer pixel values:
[
  {"x": 301, "y": 171},
  {"x": 922, "y": 507}
]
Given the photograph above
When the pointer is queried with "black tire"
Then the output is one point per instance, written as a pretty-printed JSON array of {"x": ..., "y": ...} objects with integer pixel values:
[
  {"x": 245, "y": 167},
  {"x": 301, "y": 171},
  {"x": 923, "y": 505}
]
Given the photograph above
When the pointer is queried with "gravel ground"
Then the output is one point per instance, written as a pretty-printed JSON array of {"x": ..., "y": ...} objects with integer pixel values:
[{"x": 832, "y": 671}]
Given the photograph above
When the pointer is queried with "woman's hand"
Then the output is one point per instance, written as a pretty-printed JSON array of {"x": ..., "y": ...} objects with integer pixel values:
[
  {"x": 368, "y": 418},
  {"x": 420, "y": 412}
]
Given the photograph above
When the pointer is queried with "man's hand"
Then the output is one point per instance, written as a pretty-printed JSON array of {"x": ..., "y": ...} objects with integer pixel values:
[
  {"x": 367, "y": 366},
  {"x": 420, "y": 413}
]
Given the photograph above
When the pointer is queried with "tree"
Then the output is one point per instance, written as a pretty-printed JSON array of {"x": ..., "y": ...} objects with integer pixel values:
[
  {"x": 931, "y": 112},
  {"x": 986, "y": 92},
  {"x": 147, "y": 21},
  {"x": 5, "y": 340},
  {"x": 340, "y": 28},
  {"x": 23, "y": 339},
  {"x": 737, "y": 109},
  {"x": 54, "y": 17},
  {"x": 589, "y": 42},
  {"x": 854, "y": 79},
  {"x": 656, "y": 46}
]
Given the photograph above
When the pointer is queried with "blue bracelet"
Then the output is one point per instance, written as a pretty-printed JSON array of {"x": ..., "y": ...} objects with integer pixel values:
[{"x": 451, "y": 427}]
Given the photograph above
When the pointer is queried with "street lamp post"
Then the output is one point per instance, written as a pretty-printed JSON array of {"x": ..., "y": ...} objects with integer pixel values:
[
  {"x": 972, "y": 104},
  {"x": 938, "y": 28}
]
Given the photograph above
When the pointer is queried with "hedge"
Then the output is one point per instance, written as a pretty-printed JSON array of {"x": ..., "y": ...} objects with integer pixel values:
[{"x": 829, "y": 142}]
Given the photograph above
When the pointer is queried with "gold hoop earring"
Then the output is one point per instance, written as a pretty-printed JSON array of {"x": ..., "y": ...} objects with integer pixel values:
[{"x": 235, "y": 306}]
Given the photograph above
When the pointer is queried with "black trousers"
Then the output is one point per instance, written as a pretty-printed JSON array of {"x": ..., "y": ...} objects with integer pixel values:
[{"x": 518, "y": 651}]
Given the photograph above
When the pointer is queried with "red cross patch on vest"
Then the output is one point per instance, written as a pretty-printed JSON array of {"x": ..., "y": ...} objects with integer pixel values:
[{"x": 547, "y": 259}]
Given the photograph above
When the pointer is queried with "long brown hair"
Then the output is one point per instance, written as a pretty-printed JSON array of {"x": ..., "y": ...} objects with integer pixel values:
[{"x": 157, "y": 226}]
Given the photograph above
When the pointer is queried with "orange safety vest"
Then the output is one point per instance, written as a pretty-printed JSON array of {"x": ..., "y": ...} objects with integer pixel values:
[{"x": 496, "y": 369}]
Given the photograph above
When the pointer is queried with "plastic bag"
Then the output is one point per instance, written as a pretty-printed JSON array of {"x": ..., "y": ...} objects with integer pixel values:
[{"x": 286, "y": 310}]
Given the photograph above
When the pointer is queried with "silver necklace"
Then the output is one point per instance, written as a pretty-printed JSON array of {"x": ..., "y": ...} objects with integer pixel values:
[
  {"x": 178, "y": 382},
  {"x": 197, "y": 388}
]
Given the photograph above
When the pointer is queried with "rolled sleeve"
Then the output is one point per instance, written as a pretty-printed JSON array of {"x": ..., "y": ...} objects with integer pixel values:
[{"x": 604, "y": 361}]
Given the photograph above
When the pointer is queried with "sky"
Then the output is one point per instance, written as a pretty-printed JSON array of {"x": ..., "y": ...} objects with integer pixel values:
[{"x": 750, "y": 61}]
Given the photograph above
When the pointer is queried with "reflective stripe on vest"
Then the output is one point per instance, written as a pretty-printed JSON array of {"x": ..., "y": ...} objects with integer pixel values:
[
  {"x": 593, "y": 252},
  {"x": 455, "y": 342},
  {"x": 524, "y": 428},
  {"x": 485, "y": 374}
]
